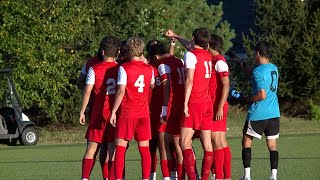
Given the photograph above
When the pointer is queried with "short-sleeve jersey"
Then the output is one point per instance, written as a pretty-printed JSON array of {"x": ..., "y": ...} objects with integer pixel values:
[
  {"x": 172, "y": 68},
  {"x": 137, "y": 76},
  {"x": 156, "y": 93},
  {"x": 219, "y": 69},
  {"x": 265, "y": 76},
  {"x": 201, "y": 61},
  {"x": 103, "y": 76}
]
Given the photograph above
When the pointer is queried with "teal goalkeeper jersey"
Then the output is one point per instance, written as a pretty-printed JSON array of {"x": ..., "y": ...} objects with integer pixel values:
[{"x": 265, "y": 76}]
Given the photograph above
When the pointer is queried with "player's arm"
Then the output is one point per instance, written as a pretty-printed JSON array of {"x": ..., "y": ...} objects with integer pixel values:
[
  {"x": 81, "y": 81},
  {"x": 122, "y": 83},
  {"x": 164, "y": 71},
  {"x": 190, "y": 64},
  {"x": 185, "y": 43},
  {"x": 86, "y": 95},
  {"x": 223, "y": 73},
  {"x": 261, "y": 85},
  {"x": 152, "y": 80},
  {"x": 171, "y": 48}
]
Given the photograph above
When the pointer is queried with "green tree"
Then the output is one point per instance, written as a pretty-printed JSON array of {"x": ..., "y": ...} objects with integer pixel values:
[
  {"x": 47, "y": 41},
  {"x": 293, "y": 28}
]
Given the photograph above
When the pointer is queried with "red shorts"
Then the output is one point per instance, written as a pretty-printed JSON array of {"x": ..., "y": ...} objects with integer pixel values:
[
  {"x": 97, "y": 129},
  {"x": 200, "y": 116},
  {"x": 139, "y": 128},
  {"x": 220, "y": 125},
  {"x": 175, "y": 118}
]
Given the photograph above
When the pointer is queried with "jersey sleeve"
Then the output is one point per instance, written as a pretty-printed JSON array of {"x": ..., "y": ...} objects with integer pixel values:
[
  {"x": 260, "y": 81},
  {"x": 164, "y": 70},
  {"x": 91, "y": 76},
  {"x": 122, "y": 76},
  {"x": 83, "y": 69},
  {"x": 190, "y": 60},
  {"x": 222, "y": 68},
  {"x": 152, "y": 78}
]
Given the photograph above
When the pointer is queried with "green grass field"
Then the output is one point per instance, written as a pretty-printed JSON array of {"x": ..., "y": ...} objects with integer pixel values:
[{"x": 299, "y": 159}]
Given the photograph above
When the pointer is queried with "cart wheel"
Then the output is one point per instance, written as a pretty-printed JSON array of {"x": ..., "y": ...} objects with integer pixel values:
[{"x": 29, "y": 136}]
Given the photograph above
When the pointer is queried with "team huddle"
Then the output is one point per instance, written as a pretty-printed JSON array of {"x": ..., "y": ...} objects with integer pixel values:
[{"x": 164, "y": 103}]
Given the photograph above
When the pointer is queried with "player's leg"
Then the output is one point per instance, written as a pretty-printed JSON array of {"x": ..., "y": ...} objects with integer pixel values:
[
  {"x": 246, "y": 155},
  {"x": 154, "y": 159},
  {"x": 111, "y": 157},
  {"x": 272, "y": 134},
  {"x": 227, "y": 157},
  {"x": 178, "y": 151},
  {"x": 103, "y": 158},
  {"x": 89, "y": 159},
  {"x": 121, "y": 146},
  {"x": 187, "y": 152},
  {"x": 205, "y": 136},
  {"x": 142, "y": 135},
  {"x": 218, "y": 154},
  {"x": 145, "y": 158},
  {"x": 164, "y": 163}
]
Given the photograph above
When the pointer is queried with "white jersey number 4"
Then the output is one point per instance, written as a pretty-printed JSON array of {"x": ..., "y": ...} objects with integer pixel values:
[{"x": 140, "y": 83}]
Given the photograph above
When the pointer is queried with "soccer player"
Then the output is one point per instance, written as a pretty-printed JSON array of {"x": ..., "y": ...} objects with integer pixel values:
[
  {"x": 197, "y": 104},
  {"x": 263, "y": 114},
  {"x": 219, "y": 90},
  {"x": 155, "y": 48},
  {"x": 134, "y": 80},
  {"x": 172, "y": 75},
  {"x": 101, "y": 79}
]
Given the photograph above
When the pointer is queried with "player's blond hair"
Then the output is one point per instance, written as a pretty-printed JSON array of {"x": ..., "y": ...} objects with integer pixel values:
[{"x": 134, "y": 46}]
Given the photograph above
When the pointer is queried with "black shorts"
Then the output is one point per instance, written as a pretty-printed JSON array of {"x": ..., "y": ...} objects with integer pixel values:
[{"x": 270, "y": 128}]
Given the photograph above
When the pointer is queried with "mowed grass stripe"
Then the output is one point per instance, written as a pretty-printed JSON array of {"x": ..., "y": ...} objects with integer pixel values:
[{"x": 299, "y": 159}]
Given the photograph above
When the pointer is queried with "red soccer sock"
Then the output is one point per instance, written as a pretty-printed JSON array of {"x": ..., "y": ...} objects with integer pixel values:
[
  {"x": 119, "y": 161},
  {"x": 154, "y": 161},
  {"x": 227, "y": 163},
  {"x": 105, "y": 170},
  {"x": 218, "y": 163},
  {"x": 181, "y": 172},
  {"x": 206, "y": 165},
  {"x": 212, "y": 166},
  {"x": 188, "y": 161},
  {"x": 87, "y": 165},
  {"x": 145, "y": 161},
  {"x": 111, "y": 170},
  {"x": 165, "y": 168}
]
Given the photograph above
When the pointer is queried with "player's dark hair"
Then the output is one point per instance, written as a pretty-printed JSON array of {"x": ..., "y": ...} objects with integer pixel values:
[
  {"x": 216, "y": 43},
  {"x": 264, "y": 49},
  {"x": 201, "y": 37},
  {"x": 123, "y": 55},
  {"x": 110, "y": 45},
  {"x": 155, "y": 47}
]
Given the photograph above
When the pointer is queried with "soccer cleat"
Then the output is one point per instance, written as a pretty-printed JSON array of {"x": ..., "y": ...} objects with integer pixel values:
[
  {"x": 272, "y": 178},
  {"x": 242, "y": 178},
  {"x": 213, "y": 177}
]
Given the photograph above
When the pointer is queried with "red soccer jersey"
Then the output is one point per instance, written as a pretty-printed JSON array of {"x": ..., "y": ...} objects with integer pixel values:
[
  {"x": 90, "y": 63},
  {"x": 200, "y": 61},
  {"x": 156, "y": 94},
  {"x": 220, "y": 69},
  {"x": 173, "y": 67},
  {"x": 103, "y": 77},
  {"x": 137, "y": 76}
]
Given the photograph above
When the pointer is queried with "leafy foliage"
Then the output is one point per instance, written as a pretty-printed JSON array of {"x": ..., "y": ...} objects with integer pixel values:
[
  {"x": 47, "y": 41},
  {"x": 293, "y": 28}
]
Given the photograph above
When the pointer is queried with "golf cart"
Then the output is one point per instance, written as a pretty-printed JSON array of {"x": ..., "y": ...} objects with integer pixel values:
[{"x": 14, "y": 125}]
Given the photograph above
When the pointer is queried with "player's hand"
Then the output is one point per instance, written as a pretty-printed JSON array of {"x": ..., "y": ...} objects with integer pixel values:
[
  {"x": 186, "y": 110},
  {"x": 163, "y": 115},
  {"x": 219, "y": 115},
  {"x": 113, "y": 119},
  {"x": 82, "y": 119},
  {"x": 170, "y": 33}
]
